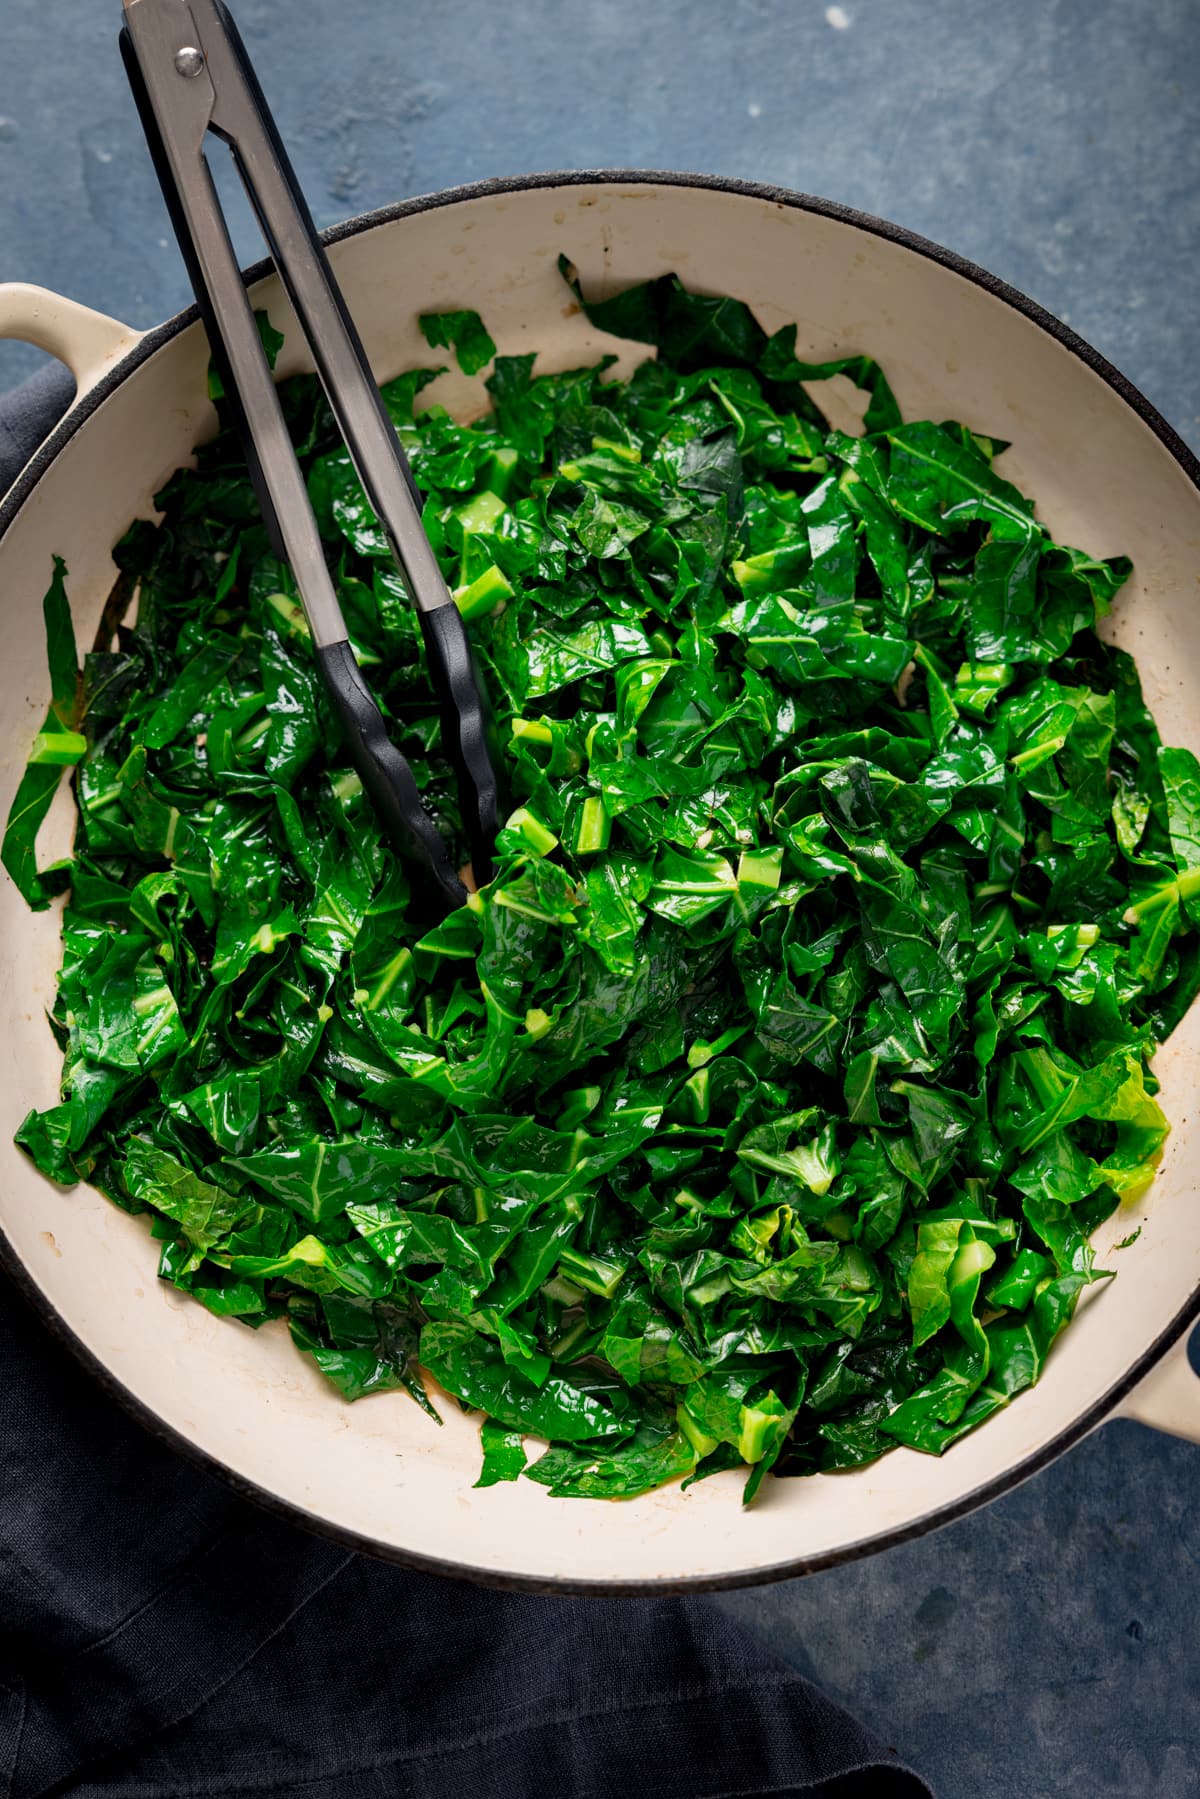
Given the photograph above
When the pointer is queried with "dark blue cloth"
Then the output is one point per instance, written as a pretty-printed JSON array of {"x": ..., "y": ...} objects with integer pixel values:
[
  {"x": 161, "y": 1638},
  {"x": 26, "y": 415}
]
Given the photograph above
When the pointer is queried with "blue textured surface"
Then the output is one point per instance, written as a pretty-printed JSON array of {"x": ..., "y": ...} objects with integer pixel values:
[{"x": 1046, "y": 1648}]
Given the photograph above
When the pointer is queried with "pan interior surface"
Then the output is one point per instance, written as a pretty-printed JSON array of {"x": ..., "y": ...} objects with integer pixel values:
[{"x": 1106, "y": 477}]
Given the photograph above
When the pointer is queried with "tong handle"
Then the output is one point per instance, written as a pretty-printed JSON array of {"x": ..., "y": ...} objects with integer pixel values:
[
  {"x": 242, "y": 117},
  {"x": 170, "y": 81},
  {"x": 200, "y": 287},
  {"x": 178, "y": 92}
]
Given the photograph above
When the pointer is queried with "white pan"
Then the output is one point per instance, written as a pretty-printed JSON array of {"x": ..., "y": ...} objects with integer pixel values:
[{"x": 1107, "y": 473}]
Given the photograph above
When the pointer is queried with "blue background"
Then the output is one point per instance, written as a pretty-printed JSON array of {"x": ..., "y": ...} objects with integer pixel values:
[{"x": 1047, "y": 1647}]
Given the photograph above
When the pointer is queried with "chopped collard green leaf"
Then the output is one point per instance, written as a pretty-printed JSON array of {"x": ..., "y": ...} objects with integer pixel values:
[
  {"x": 761, "y": 1110},
  {"x": 465, "y": 333}
]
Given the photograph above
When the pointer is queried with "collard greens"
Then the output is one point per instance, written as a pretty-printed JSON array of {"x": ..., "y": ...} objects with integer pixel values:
[{"x": 761, "y": 1109}]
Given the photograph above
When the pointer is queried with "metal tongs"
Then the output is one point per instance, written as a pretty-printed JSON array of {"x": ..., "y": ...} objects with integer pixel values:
[{"x": 190, "y": 75}]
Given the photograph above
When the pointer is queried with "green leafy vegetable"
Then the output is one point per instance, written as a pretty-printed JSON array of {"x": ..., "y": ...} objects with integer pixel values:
[
  {"x": 759, "y": 1113},
  {"x": 503, "y": 1454},
  {"x": 462, "y": 332},
  {"x": 57, "y": 745}
]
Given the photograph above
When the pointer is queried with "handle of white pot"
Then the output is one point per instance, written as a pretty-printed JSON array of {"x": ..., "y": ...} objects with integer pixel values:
[
  {"x": 1168, "y": 1398},
  {"x": 88, "y": 342}
]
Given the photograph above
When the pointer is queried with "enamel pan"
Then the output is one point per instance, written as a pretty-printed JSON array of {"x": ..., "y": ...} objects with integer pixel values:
[{"x": 1108, "y": 475}]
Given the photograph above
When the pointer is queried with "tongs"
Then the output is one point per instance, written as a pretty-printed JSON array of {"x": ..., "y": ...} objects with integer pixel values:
[{"x": 190, "y": 75}]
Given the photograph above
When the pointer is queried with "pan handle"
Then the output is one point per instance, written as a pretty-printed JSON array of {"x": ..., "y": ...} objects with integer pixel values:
[
  {"x": 1168, "y": 1398},
  {"x": 88, "y": 342}
]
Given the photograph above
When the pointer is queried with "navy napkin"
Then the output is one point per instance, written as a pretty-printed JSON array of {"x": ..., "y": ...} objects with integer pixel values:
[{"x": 162, "y": 1638}]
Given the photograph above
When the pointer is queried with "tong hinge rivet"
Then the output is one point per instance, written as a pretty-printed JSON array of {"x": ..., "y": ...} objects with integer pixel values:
[{"x": 189, "y": 61}]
